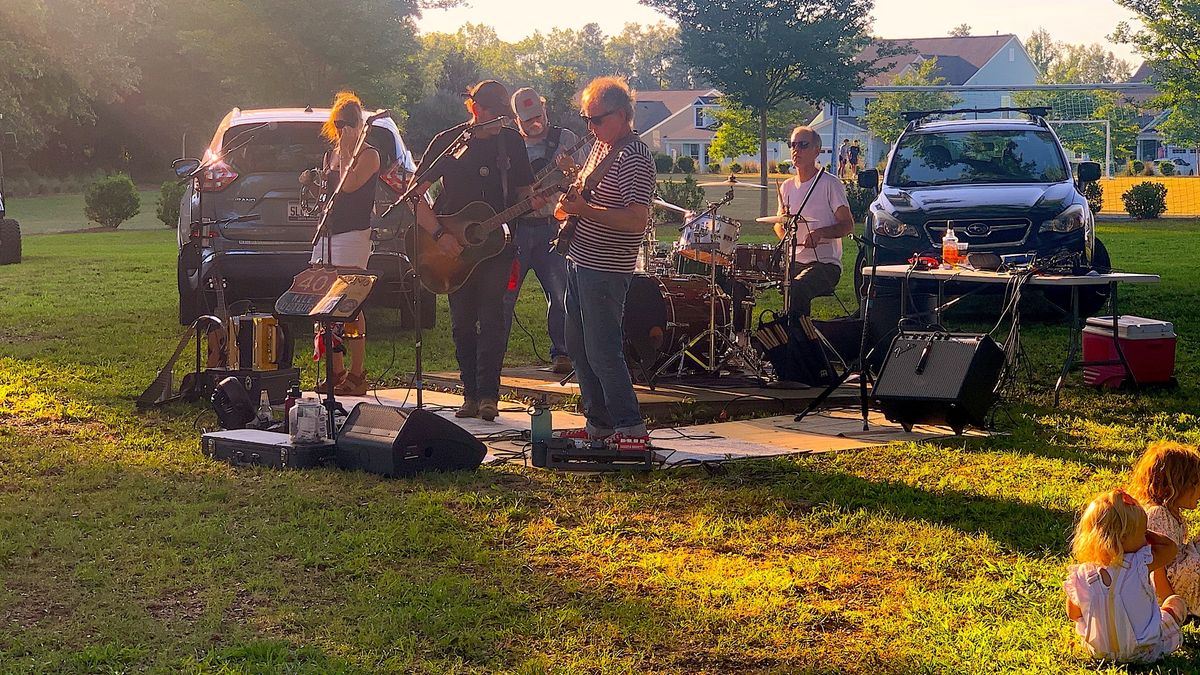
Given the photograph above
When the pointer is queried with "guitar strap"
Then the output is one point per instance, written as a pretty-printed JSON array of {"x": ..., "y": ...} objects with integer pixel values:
[
  {"x": 502, "y": 163},
  {"x": 597, "y": 174}
]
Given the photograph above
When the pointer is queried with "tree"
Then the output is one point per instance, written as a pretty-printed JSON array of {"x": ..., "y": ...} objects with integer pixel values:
[
  {"x": 1062, "y": 63},
  {"x": 885, "y": 116},
  {"x": 737, "y": 128},
  {"x": 1167, "y": 41},
  {"x": 1088, "y": 105},
  {"x": 1041, "y": 49},
  {"x": 648, "y": 57},
  {"x": 1182, "y": 126},
  {"x": 764, "y": 54},
  {"x": 961, "y": 30}
]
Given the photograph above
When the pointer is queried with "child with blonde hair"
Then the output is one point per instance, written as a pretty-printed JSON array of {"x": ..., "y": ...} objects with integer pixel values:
[
  {"x": 1167, "y": 479},
  {"x": 1109, "y": 594}
]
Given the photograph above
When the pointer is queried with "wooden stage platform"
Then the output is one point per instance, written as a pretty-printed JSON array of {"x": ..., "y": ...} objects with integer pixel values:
[{"x": 702, "y": 396}]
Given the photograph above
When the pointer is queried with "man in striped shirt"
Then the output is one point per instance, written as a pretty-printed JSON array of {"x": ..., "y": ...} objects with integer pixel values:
[{"x": 600, "y": 264}]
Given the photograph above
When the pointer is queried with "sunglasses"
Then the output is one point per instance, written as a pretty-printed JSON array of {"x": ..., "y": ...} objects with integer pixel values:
[
  {"x": 596, "y": 119},
  {"x": 799, "y": 145},
  {"x": 342, "y": 124}
]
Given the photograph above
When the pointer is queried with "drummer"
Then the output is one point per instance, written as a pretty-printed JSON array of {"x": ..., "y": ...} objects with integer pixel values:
[{"x": 820, "y": 199}]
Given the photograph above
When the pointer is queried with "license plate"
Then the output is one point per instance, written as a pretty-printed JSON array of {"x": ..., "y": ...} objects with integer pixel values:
[{"x": 294, "y": 213}]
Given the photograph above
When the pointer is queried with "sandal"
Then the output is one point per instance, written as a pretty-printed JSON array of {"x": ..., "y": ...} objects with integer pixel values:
[
  {"x": 352, "y": 385},
  {"x": 338, "y": 378}
]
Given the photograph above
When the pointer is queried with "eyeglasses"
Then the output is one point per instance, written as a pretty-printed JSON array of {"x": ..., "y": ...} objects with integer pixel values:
[
  {"x": 342, "y": 124},
  {"x": 592, "y": 121},
  {"x": 799, "y": 145}
]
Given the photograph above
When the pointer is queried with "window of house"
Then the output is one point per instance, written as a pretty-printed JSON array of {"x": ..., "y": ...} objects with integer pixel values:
[{"x": 704, "y": 117}]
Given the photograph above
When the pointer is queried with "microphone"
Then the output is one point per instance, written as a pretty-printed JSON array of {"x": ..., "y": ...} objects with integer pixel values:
[{"x": 490, "y": 123}]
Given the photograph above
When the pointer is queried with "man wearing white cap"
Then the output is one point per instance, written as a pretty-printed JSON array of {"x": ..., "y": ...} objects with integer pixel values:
[{"x": 545, "y": 143}]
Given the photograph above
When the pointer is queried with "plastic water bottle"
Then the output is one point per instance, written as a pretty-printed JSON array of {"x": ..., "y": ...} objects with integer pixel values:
[
  {"x": 949, "y": 249},
  {"x": 541, "y": 427}
]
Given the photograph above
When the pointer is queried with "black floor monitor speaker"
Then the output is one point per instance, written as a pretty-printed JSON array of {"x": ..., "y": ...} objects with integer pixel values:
[
  {"x": 939, "y": 378},
  {"x": 394, "y": 442}
]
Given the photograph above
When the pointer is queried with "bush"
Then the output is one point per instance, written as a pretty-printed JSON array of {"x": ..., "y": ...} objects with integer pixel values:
[
  {"x": 714, "y": 167},
  {"x": 168, "y": 202},
  {"x": 686, "y": 164},
  {"x": 734, "y": 167},
  {"x": 1136, "y": 167},
  {"x": 663, "y": 163},
  {"x": 111, "y": 200},
  {"x": 1146, "y": 200},
  {"x": 1166, "y": 168},
  {"x": 772, "y": 167},
  {"x": 685, "y": 193},
  {"x": 860, "y": 198},
  {"x": 1094, "y": 193},
  {"x": 785, "y": 166},
  {"x": 1148, "y": 169},
  {"x": 750, "y": 167}
]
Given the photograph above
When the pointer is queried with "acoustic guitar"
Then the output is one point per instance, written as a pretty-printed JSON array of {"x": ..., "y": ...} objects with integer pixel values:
[{"x": 478, "y": 229}]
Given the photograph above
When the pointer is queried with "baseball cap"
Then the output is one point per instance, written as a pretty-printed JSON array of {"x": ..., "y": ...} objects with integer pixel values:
[
  {"x": 526, "y": 104},
  {"x": 491, "y": 95}
]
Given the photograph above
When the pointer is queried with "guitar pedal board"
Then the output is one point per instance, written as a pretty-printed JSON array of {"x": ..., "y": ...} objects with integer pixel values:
[{"x": 567, "y": 454}]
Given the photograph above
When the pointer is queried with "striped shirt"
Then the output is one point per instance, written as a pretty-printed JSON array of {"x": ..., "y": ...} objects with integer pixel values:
[{"x": 629, "y": 181}]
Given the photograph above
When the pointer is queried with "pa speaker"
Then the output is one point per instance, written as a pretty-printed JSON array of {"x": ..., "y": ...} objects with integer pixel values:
[
  {"x": 394, "y": 442},
  {"x": 939, "y": 378}
]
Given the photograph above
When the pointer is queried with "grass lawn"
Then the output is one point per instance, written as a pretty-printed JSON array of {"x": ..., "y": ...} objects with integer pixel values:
[
  {"x": 64, "y": 212},
  {"x": 123, "y": 550}
]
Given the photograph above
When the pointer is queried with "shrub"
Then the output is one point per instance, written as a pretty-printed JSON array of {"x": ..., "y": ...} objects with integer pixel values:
[
  {"x": 772, "y": 167},
  {"x": 111, "y": 200},
  {"x": 1148, "y": 169},
  {"x": 735, "y": 167},
  {"x": 1094, "y": 192},
  {"x": 750, "y": 167},
  {"x": 686, "y": 164},
  {"x": 663, "y": 163},
  {"x": 860, "y": 198},
  {"x": 685, "y": 193},
  {"x": 1136, "y": 167},
  {"x": 1166, "y": 168},
  {"x": 1146, "y": 200},
  {"x": 785, "y": 166},
  {"x": 714, "y": 167},
  {"x": 168, "y": 202}
]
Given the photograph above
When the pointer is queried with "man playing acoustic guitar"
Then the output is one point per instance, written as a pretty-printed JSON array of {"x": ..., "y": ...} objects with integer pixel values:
[{"x": 493, "y": 167}]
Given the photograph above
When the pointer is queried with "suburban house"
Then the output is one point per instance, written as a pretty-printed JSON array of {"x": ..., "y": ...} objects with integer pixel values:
[
  {"x": 973, "y": 60},
  {"x": 680, "y": 122},
  {"x": 1151, "y": 146}
]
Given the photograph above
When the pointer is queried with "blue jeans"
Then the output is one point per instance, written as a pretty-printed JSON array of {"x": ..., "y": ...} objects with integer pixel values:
[
  {"x": 477, "y": 325},
  {"x": 595, "y": 311},
  {"x": 534, "y": 253}
]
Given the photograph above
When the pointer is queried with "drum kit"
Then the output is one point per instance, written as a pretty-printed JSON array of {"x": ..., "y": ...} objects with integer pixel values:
[{"x": 690, "y": 307}]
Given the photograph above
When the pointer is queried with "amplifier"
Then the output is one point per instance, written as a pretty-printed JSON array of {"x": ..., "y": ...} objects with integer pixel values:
[
  {"x": 258, "y": 342},
  {"x": 397, "y": 442},
  {"x": 939, "y": 378}
]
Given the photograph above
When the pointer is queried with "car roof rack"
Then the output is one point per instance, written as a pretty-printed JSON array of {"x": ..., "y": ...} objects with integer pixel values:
[{"x": 1033, "y": 112}]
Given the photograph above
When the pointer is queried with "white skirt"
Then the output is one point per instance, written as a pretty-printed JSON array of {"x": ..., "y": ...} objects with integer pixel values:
[{"x": 347, "y": 249}]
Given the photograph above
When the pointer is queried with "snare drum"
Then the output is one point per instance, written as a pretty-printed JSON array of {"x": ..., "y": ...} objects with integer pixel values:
[
  {"x": 664, "y": 313},
  {"x": 756, "y": 260},
  {"x": 705, "y": 236}
]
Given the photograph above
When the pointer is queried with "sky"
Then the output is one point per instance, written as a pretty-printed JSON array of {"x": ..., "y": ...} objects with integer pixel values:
[{"x": 1074, "y": 21}]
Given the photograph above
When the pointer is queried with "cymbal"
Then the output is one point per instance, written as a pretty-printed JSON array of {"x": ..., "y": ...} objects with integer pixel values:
[
  {"x": 732, "y": 181},
  {"x": 669, "y": 206},
  {"x": 774, "y": 220}
]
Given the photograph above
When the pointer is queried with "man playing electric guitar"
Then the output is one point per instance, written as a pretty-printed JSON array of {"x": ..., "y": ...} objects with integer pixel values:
[{"x": 493, "y": 168}]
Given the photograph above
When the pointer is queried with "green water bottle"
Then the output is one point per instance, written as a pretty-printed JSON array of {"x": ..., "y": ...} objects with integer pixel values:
[{"x": 541, "y": 427}]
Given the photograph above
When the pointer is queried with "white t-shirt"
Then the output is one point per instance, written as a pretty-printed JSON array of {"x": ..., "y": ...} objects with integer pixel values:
[{"x": 818, "y": 212}]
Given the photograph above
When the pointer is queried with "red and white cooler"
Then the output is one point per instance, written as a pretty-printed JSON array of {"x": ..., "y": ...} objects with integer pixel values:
[{"x": 1148, "y": 344}]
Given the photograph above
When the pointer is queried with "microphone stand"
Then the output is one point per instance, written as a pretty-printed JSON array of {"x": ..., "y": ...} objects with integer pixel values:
[{"x": 413, "y": 193}]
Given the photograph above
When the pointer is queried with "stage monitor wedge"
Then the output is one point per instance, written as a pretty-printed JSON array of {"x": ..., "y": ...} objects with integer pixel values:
[{"x": 395, "y": 442}]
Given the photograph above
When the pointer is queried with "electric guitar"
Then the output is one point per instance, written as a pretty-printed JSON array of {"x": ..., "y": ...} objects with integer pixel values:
[{"x": 477, "y": 228}]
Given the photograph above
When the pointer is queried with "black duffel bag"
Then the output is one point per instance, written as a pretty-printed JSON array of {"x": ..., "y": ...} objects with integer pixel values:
[{"x": 799, "y": 359}]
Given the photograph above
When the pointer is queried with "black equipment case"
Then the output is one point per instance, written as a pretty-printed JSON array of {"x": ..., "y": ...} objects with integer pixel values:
[{"x": 255, "y": 447}]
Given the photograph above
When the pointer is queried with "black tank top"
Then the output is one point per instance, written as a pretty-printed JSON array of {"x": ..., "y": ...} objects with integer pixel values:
[{"x": 352, "y": 210}]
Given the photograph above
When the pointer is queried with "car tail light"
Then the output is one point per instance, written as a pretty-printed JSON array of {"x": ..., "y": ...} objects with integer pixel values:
[
  {"x": 394, "y": 178},
  {"x": 217, "y": 177}
]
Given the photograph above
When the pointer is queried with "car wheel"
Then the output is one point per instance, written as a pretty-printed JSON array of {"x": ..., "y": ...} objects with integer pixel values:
[
  {"x": 10, "y": 242},
  {"x": 1091, "y": 298},
  {"x": 189, "y": 298}
]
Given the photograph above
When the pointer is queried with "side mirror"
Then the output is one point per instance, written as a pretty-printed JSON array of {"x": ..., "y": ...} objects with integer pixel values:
[
  {"x": 869, "y": 179},
  {"x": 8, "y": 143},
  {"x": 185, "y": 167},
  {"x": 1089, "y": 172}
]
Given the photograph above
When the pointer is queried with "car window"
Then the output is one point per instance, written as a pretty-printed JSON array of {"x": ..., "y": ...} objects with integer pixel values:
[
  {"x": 291, "y": 147},
  {"x": 947, "y": 158}
]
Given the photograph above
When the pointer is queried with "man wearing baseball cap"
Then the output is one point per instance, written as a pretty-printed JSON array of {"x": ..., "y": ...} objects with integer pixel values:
[
  {"x": 493, "y": 168},
  {"x": 544, "y": 143}
]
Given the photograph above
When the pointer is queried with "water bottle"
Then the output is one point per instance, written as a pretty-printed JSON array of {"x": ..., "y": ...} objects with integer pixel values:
[
  {"x": 541, "y": 427},
  {"x": 265, "y": 414},
  {"x": 293, "y": 395},
  {"x": 949, "y": 249}
]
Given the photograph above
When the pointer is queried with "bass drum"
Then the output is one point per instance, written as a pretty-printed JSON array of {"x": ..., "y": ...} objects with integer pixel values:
[{"x": 662, "y": 314}]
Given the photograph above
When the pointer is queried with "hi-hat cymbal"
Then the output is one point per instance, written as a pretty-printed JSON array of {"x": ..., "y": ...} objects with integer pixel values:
[
  {"x": 669, "y": 206},
  {"x": 732, "y": 181},
  {"x": 774, "y": 220}
]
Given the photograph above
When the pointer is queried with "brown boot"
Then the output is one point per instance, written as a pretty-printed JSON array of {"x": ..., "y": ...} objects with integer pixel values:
[
  {"x": 488, "y": 409},
  {"x": 352, "y": 385},
  {"x": 469, "y": 408}
]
